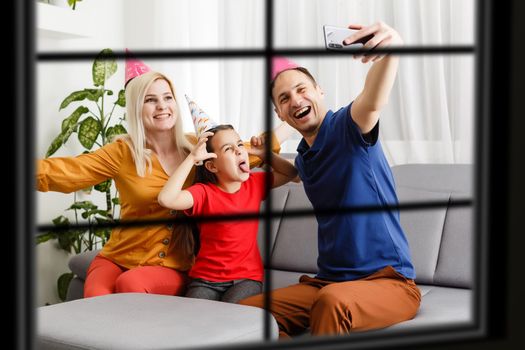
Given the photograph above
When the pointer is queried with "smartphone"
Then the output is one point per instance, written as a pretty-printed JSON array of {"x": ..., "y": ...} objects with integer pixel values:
[{"x": 334, "y": 36}]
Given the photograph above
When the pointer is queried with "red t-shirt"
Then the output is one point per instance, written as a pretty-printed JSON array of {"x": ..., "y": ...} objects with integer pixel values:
[{"x": 228, "y": 249}]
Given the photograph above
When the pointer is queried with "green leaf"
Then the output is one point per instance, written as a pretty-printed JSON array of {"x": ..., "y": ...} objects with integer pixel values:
[
  {"x": 103, "y": 186},
  {"x": 121, "y": 99},
  {"x": 69, "y": 124},
  {"x": 92, "y": 212},
  {"x": 63, "y": 284},
  {"x": 83, "y": 205},
  {"x": 68, "y": 127},
  {"x": 104, "y": 220},
  {"x": 88, "y": 132},
  {"x": 60, "y": 221},
  {"x": 73, "y": 3},
  {"x": 90, "y": 94},
  {"x": 104, "y": 67},
  {"x": 115, "y": 130},
  {"x": 44, "y": 237},
  {"x": 103, "y": 213},
  {"x": 55, "y": 145},
  {"x": 116, "y": 200},
  {"x": 103, "y": 233},
  {"x": 66, "y": 239}
]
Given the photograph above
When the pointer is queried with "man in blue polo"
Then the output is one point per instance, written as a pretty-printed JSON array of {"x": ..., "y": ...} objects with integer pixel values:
[{"x": 365, "y": 276}]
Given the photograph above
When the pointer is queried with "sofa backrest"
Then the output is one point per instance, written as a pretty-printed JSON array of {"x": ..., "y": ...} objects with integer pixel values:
[{"x": 440, "y": 239}]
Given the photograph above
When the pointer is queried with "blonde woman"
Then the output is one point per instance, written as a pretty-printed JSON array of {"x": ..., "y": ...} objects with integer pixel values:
[{"x": 149, "y": 259}]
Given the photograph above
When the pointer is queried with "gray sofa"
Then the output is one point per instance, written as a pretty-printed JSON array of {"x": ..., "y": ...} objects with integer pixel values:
[{"x": 441, "y": 242}]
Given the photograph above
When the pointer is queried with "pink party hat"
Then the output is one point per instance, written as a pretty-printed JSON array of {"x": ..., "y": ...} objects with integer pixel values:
[
  {"x": 201, "y": 120},
  {"x": 134, "y": 67},
  {"x": 280, "y": 64}
]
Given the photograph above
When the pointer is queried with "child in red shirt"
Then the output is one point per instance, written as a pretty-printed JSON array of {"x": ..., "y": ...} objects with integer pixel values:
[{"x": 228, "y": 266}]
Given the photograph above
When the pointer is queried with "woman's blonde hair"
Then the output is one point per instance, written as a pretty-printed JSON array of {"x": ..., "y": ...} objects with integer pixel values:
[{"x": 136, "y": 137}]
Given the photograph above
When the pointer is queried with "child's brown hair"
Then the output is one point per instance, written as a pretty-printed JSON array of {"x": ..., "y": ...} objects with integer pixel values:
[{"x": 202, "y": 174}]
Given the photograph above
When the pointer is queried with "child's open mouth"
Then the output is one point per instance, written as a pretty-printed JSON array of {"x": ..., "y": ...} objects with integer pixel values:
[{"x": 244, "y": 167}]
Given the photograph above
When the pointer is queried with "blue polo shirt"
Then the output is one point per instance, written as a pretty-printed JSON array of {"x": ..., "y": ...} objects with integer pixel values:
[{"x": 341, "y": 169}]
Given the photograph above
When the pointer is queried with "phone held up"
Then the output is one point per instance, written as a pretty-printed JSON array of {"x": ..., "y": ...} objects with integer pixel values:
[{"x": 334, "y": 36}]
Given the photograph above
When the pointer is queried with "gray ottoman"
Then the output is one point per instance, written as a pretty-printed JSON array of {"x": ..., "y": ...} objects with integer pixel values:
[{"x": 130, "y": 321}]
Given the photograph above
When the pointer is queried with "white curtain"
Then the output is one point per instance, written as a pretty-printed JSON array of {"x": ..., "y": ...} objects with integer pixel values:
[{"x": 429, "y": 118}]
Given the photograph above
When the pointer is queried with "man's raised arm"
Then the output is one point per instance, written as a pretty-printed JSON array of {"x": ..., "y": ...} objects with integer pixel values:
[{"x": 380, "y": 78}]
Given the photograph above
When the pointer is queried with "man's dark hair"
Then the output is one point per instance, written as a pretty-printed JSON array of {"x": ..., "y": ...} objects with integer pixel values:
[
  {"x": 300, "y": 69},
  {"x": 202, "y": 174}
]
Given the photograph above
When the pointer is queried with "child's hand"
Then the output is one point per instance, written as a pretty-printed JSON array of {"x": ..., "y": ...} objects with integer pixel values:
[
  {"x": 257, "y": 147},
  {"x": 199, "y": 152}
]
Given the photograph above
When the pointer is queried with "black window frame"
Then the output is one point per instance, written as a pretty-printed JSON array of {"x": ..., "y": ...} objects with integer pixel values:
[{"x": 488, "y": 161}]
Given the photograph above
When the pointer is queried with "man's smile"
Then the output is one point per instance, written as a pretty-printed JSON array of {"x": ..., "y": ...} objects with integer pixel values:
[{"x": 301, "y": 112}]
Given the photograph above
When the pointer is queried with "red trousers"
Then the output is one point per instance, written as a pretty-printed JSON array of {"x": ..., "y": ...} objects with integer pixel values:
[
  {"x": 106, "y": 277},
  {"x": 328, "y": 308}
]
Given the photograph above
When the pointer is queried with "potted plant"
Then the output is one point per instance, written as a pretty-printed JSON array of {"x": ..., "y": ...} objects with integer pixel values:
[
  {"x": 94, "y": 127},
  {"x": 73, "y": 3},
  {"x": 62, "y": 3}
]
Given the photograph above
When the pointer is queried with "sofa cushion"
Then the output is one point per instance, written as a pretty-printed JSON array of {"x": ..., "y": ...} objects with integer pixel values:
[
  {"x": 75, "y": 290},
  {"x": 130, "y": 321},
  {"x": 423, "y": 228},
  {"x": 440, "y": 306},
  {"x": 79, "y": 263},
  {"x": 279, "y": 198},
  {"x": 455, "y": 266},
  {"x": 296, "y": 243},
  {"x": 282, "y": 278},
  {"x": 435, "y": 177}
]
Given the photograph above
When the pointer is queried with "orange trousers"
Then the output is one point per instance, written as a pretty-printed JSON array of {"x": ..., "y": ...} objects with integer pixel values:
[
  {"x": 329, "y": 308},
  {"x": 106, "y": 277}
]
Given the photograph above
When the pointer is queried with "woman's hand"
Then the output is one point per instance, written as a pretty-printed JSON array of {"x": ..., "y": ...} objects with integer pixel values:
[{"x": 382, "y": 36}]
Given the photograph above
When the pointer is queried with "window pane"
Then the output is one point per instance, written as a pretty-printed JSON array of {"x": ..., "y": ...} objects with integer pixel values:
[
  {"x": 151, "y": 25},
  {"x": 229, "y": 91},
  {"x": 299, "y": 23},
  {"x": 429, "y": 117}
]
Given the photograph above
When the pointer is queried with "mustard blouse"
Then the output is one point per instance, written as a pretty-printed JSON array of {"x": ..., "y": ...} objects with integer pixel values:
[{"x": 128, "y": 246}]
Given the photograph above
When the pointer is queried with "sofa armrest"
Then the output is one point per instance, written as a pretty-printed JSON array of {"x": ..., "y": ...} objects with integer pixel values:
[{"x": 79, "y": 263}]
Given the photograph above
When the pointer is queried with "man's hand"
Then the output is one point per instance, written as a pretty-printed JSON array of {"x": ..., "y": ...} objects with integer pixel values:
[{"x": 382, "y": 36}]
